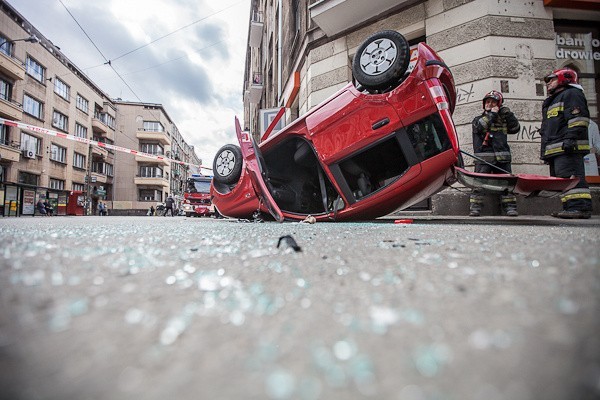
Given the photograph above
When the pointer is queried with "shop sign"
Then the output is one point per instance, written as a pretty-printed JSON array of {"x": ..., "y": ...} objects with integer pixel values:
[
  {"x": 581, "y": 47},
  {"x": 28, "y": 202}
]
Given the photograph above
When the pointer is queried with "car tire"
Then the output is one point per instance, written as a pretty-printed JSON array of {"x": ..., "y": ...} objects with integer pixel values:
[
  {"x": 227, "y": 165},
  {"x": 188, "y": 214},
  {"x": 381, "y": 61}
]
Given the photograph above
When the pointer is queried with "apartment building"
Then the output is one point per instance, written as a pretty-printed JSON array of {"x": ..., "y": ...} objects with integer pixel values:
[
  {"x": 300, "y": 52},
  {"x": 142, "y": 181},
  {"x": 41, "y": 87}
]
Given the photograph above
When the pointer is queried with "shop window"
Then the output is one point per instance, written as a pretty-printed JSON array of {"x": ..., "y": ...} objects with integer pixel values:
[{"x": 28, "y": 178}]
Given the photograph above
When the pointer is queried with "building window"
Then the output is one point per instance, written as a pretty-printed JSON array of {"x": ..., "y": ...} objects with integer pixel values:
[
  {"x": 32, "y": 143},
  {"x": 5, "y": 90},
  {"x": 61, "y": 89},
  {"x": 78, "y": 160},
  {"x": 4, "y": 139},
  {"x": 58, "y": 153},
  {"x": 102, "y": 168},
  {"x": 28, "y": 179},
  {"x": 153, "y": 126},
  {"x": 80, "y": 131},
  {"x": 33, "y": 107},
  {"x": 82, "y": 103},
  {"x": 7, "y": 46},
  {"x": 78, "y": 187},
  {"x": 152, "y": 148},
  {"x": 57, "y": 184},
  {"x": 105, "y": 118},
  {"x": 151, "y": 172},
  {"x": 35, "y": 69},
  {"x": 150, "y": 195},
  {"x": 60, "y": 121}
]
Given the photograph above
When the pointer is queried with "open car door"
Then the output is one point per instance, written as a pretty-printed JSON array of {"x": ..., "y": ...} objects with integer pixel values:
[
  {"x": 522, "y": 184},
  {"x": 257, "y": 171}
]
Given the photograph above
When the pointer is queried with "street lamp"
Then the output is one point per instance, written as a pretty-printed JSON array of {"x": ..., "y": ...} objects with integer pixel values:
[{"x": 30, "y": 39}]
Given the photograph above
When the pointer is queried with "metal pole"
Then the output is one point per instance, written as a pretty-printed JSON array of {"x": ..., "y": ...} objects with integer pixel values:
[
  {"x": 483, "y": 161},
  {"x": 88, "y": 200}
]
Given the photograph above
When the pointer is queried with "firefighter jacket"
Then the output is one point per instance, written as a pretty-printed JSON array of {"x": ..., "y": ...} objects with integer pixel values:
[
  {"x": 490, "y": 130},
  {"x": 565, "y": 115}
]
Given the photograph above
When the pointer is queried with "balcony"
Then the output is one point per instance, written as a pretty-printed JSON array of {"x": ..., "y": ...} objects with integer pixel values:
[
  {"x": 151, "y": 181},
  {"x": 335, "y": 16},
  {"x": 148, "y": 160},
  {"x": 256, "y": 29},
  {"x": 159, "y": 136},
  {"x": 10, "y": 110},
  {"x": 99, "y": 178},
  {"x": 10, "y": 152},
  {"x": 256, "y": 88},
  {"x": 99, "y": 127},
  {"x": 99, "y": 151},
  {"x": 12, "y": 67}
]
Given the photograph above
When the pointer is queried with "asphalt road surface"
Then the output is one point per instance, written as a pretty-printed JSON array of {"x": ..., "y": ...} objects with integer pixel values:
[{"x": 114, "y": 308}]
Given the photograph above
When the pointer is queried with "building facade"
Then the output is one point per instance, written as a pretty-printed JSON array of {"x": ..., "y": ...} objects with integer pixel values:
[
  {"x": 141, "y": 182},
  {"x": 300, "y": 52},
  {"x": 41, "y": 87}
]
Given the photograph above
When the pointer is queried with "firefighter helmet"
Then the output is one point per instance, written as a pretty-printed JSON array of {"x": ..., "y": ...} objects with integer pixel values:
[
  {"x": 565, "y": 76},
  {"x": 493, "y": 95}
]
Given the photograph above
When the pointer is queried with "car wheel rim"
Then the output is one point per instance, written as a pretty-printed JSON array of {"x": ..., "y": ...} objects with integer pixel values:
[
  {"x": 225, "y": 163},
  {"x": 378, "y": 57}
]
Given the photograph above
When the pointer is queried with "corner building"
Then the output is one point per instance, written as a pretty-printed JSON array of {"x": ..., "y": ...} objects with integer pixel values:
[
  {"x": 41, "y": 87},
  {"x": 300, "y": 52}
]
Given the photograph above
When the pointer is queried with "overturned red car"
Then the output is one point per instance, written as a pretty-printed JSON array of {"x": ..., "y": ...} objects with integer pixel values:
[{"x": 378, "y": 145}]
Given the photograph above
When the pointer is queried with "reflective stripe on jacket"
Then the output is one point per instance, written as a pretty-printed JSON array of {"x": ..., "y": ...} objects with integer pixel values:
[
  {"x": 565, "y": 115},
  {"x": 498, "y": 125}
]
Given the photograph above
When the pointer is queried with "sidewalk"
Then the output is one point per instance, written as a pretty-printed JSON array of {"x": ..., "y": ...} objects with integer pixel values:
[{"x": 536, "y": 220}]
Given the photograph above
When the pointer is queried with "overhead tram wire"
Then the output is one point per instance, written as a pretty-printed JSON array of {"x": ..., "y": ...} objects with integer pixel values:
[
  {"x": 175, "y": 31},
  {"x": 108, "y": 62}
]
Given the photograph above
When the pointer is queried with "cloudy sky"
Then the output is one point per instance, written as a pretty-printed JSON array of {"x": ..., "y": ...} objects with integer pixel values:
[{"x": 192, "y": 59}]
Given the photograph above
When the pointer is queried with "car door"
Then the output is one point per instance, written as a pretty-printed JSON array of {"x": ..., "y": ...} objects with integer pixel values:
[
  {"x": 522, "y": 184},
  {"x": 257, "y": 171}
]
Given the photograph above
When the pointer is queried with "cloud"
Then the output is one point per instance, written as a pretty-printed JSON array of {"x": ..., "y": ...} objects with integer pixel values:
[{"x": 195, "y": 72}]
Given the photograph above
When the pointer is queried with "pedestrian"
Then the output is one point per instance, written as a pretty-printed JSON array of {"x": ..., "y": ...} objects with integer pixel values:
[
  {"x": 169, "y": 205},
  {"x": 101, "y": 208},
  {"x": 151, "y": 211},
  {"x": 490, "y": 145},
  {"x": 564, "y": 131},
  {"x": 48, "y": 207},
  {"x": 41, "y": 207}
]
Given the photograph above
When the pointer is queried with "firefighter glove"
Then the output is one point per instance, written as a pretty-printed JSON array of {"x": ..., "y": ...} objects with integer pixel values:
[{"x": 569, "y": 145}]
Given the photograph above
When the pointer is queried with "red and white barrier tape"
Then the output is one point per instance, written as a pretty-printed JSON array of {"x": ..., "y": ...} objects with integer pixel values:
[{"x": 37, "y": 129}]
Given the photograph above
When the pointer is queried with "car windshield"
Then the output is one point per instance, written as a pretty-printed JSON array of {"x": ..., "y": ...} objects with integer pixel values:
[{"x": 198, "y": 186}]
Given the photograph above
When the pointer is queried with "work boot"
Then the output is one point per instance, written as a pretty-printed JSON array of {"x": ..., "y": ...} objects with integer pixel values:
[
  {"x": 509, "y": 205},
  {"x": 474, "y": 213},
  {"x": 572, "y": 214},
  {"x": 475, "y": 204}
]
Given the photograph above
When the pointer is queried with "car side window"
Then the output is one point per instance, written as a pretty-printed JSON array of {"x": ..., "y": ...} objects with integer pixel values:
[{"x": 428, "y": 137}]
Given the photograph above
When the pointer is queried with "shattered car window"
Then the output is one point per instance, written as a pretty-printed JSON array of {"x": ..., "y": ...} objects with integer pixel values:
[{"x": 428, "y": 137}]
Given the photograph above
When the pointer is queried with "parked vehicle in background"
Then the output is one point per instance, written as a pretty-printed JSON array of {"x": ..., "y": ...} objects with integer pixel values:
[
  {"x": 197, "y": 196},
  {"x": 382, "y": 143}
]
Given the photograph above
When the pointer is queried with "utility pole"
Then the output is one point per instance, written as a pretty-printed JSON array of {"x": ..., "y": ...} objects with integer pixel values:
[{"x": 88, "y": 179}]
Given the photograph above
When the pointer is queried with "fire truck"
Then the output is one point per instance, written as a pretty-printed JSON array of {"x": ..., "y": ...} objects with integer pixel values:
[{"x": 197, "y": 196}]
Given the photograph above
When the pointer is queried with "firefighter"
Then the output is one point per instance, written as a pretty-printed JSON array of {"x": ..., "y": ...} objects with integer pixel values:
[
  {"x": 490, "y": 144},
  {"x": 565, "y": 121}
]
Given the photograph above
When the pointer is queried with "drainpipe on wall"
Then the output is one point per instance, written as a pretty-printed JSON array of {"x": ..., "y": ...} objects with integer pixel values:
[{"x": 279, "y": 47}]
